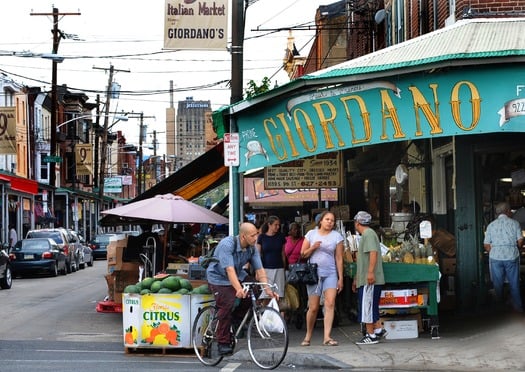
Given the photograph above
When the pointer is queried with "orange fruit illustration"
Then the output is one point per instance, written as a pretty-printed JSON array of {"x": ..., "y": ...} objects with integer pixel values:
[
  {"x": 128, "y": 338},
  {"x": 164, "y": 328},
  {"x": 171, "y": 336},
  {"x": 154, "y": 332}
]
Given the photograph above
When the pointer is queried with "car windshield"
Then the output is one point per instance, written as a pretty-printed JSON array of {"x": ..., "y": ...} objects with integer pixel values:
[
  {"x": 46, "y": 234},
  {"x": 103, "y": 238}
]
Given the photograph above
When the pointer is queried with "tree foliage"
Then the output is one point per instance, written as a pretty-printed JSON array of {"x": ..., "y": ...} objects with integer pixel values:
[{"x": 253, "y": 89}]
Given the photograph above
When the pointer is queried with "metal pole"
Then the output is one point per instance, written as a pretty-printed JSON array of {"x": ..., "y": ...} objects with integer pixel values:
[
  {"x": 54, "y": 98},
  {"x": 236, "y": 96},
  {"x": 139, "y": 178},
  {"x": 105, "y": 137}
]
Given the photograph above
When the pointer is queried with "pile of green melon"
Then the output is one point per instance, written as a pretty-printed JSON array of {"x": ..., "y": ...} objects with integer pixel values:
[{"x": 169, "y": 284}]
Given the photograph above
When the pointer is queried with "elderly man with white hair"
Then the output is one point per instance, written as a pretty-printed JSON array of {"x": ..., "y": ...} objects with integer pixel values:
[{"x": 503, "y": 239}]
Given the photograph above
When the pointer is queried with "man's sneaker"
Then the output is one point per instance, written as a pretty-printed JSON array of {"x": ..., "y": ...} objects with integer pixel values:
[
  {"x": 381, "y": 334},
  {"x": 367, "y": 339},
  {"x": 225, "y": 349}
]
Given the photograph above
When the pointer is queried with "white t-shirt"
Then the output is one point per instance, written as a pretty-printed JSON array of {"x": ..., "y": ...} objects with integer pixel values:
[
  {"x": 13, "y": 237},
  {"x": 324, "y": 256}
]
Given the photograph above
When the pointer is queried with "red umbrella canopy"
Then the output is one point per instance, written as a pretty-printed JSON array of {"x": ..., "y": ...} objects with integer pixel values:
[{"x": 167, "y": 208}]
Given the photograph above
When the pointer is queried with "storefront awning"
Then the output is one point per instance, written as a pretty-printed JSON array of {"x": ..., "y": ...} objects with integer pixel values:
[
  {"x": 21, "y": 184},
  {"x": 202, "y": 174}
]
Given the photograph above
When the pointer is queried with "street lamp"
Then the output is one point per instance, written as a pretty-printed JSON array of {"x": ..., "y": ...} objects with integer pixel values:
[{"x": 116, "y": 117}]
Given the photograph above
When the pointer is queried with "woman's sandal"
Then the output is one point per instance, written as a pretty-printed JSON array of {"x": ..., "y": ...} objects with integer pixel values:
[
  {"x": 305, "y": 343},
  {"x": 330, "y": 343}
]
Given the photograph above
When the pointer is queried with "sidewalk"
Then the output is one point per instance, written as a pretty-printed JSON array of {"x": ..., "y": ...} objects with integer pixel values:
[{"x": 472, "y": 343}]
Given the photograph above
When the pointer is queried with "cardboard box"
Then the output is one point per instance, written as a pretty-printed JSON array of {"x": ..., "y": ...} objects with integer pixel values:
[
  {"x": 401, "y": 329},
  {"x": 398, "y": 298},
  {"x": 114, "y": 254}
]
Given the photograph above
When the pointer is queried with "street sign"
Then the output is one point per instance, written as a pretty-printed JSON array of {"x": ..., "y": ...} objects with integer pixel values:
[
  {"x": 52, "y": 159},
  {"x": 231, "y": 149}
]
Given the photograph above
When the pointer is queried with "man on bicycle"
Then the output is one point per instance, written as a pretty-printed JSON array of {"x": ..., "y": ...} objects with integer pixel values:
[{"x": 226, "y": 275}]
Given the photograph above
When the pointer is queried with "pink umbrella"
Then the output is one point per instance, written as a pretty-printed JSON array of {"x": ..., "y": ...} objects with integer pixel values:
[{"x": 165, "y": 208}]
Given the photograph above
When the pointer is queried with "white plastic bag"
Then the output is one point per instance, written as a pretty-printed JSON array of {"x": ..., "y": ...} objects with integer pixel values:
[{"x": 271, "y": 321}]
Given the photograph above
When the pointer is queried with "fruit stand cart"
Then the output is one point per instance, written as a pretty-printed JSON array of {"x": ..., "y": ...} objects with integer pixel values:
[
  {"x": 161, "y": 320},
  {"x": 402, "y": 274}
]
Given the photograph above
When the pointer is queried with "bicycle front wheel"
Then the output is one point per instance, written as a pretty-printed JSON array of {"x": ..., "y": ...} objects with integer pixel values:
[
  {"x": 203, "y": 337},
  {"x": 267, "y": 338}
]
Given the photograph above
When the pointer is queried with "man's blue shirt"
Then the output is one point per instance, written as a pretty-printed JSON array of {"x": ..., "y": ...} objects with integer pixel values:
[{"x": 230, "y": 253}]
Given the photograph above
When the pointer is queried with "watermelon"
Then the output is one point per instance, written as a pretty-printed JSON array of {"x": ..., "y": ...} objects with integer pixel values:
[
  {"x": 156, "y": 286},
  {"x": 131, "y": 289},
  {"x": 164, "y": 290},
  {"x": 171, "y": 283},
  {"x": 146, "y": 283},
  {"x": 186, "y": 284},
  {"x": 145, "y": 291}
]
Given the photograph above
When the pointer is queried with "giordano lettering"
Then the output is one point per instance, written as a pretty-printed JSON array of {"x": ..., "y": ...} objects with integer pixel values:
[{"x": 352, "y": 110}]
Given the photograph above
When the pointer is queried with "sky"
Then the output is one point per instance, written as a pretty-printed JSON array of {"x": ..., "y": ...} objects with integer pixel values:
[{"x": 129, "y": 35}]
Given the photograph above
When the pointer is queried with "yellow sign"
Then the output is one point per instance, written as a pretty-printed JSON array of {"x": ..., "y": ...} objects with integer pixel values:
[
  {"x": 7, "y": 130},
  {"x": 192, "y": 24},
  {"x": 84, "y": 159}
]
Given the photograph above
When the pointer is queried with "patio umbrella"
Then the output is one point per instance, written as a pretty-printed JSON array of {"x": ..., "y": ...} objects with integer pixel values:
[{"x": 167, "y": 208}]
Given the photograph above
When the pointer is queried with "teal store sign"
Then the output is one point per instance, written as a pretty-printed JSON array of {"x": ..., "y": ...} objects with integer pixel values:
[{"x": 471, "y": 101}]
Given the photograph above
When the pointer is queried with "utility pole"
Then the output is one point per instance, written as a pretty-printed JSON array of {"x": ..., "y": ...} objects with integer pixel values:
[
  {"x": 141, "y": 161},
  {"x": 155, "y": 155},
  {"x": 95, "y": 138},
  {"x": 57, "y": 35},
  {"x": 236, "y": 96},
  {"x": 105, "y": 133}
]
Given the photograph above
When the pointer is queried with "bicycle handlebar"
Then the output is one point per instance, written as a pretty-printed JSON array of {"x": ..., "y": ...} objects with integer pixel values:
[{"x": 246, "y": 286}]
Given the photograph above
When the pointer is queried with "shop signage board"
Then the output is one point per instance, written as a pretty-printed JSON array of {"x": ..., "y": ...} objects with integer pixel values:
[
  {"x": 113, "y": 185},
  {"x": 159, "y": 320},
  {"x": 52, "y": 159},
  {"x": 191, "y": 24},
  {"x": 316, "y": 172},
  {"x": 404, "y": 107}
]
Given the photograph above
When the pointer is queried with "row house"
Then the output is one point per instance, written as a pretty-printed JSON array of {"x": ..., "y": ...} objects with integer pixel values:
[{"x": 27, "y": 161}]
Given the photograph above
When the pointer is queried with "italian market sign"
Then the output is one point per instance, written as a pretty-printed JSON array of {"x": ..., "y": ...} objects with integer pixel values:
[
  {"x": 319, "y": 171},
  {"x": 192, "y": 24},
  {"x": 478, "y": 100}
]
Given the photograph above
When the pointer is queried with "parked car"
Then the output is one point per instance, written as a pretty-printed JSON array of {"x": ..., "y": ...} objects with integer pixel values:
[
  {"x": 80, "y": 248},
  {"x": 61, "y": 237},
  {"x": 99, "y": 244},
  {"x": 6, "y": 278},
  {"x": 88, "y": 253},
  {"x": 38, "y": 255}
]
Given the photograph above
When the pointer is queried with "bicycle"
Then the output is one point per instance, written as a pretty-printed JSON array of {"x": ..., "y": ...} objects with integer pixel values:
[{"x": 267, "y": 345}]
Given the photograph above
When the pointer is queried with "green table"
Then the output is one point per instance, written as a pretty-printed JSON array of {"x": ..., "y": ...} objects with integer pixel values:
[{"x": 398, "y": 273}]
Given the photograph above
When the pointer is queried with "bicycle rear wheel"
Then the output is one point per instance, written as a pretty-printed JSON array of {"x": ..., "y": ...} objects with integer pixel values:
[
  {"x": 203, "y": 337},
  {"x": 267, "y": 342}
]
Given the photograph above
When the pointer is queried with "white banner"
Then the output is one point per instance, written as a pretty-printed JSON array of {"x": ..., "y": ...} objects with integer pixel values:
[{"x": 192, "y": 24}]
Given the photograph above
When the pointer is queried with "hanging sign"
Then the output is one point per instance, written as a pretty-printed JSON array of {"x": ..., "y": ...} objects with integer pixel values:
[
  {"x": 7, "y": 130},
  {"x": 84, "y": 159},
  {"x": 192, "y": 24}
]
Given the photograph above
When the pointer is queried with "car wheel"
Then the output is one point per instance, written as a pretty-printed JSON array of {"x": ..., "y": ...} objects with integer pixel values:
[
  {"x": 54, "y": 270},
  {"x": 7, "y": 280},
  {"x": 82, "y": 266},
  {"x": 63, "y": 271},
  {"x": 90, "y": 263},
  {"x": 69, "y": 267}
]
